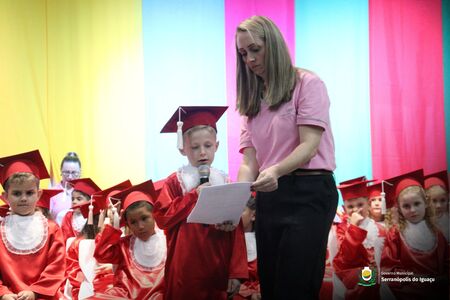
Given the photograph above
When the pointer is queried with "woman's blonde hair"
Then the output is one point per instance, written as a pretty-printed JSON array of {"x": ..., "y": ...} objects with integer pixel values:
[
  {"x": 281, "y": 75},
  {"x": 429, "y": 214}
]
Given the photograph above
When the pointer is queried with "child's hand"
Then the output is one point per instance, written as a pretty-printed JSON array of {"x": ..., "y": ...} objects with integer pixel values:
[
  {"x": 225, "y": 226},
  {"x": 26, "y": 295},
  {"x": 356, "y": 217},
  {"x": 9, "y": 297},
  {"x": 233, "y": 287},
  {"x": 201, "y": 186}
]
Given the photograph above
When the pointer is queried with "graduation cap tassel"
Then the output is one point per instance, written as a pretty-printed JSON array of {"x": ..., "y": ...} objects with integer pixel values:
[
  {"x": 116, "y": 219},
  {"x": 91, "y": 214},
  {"x": 180, "y": 135}
]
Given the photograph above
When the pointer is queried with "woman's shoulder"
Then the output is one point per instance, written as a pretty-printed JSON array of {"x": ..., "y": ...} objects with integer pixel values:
[{"x": 305, "y": 76}]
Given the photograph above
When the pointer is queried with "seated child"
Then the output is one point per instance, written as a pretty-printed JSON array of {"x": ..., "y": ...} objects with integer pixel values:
[
  {"x": 85, "y": 275},
  {"x": 74, "y": 221},
  {"x": 377, "y": 203},
  {"x": 436, "y": 188},
  {"x": 32, "y": 254},
  {"x": 250, "y": 289},
  {"x": 140, "y": 256},
  {"x": 414, "y": 246},
  {"x": 359, "y": 243},
  {"x": 203, "y": 261}
]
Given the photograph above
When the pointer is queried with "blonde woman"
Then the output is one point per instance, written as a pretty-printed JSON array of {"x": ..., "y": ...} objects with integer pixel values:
[{"x": 288, "y": 150}]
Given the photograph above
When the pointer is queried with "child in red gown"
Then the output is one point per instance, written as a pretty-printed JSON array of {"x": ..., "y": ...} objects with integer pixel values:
[
  {"x": 203, "y": 261},
  {"x": 74, "y": 221},
  {"x": 414, "y": 248},
  {"x": 140, "y": 256},
  {"x": 32, "y": 253},
  {"x": 360, "y": 243}
]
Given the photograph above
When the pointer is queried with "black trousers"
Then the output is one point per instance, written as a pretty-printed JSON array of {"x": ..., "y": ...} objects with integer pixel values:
[{"x": 292, "y": 226}]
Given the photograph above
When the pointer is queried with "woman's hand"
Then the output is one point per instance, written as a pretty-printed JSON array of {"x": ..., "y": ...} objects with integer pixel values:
[{"x": 267, "y": 180}]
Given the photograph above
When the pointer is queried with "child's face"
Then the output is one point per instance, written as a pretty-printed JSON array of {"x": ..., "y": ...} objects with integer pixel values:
[
  {"x": 141, "y": 223},
  {"x": 22, "y": 196},
  {"x": 412, "y": 206},
  {"x": 438, "y": 200},
  {"x": 375, "y": 206},
  {"x": 79, "y": 198},
  {"x": 358, "y": 205},
  {"x": 248, "y": 216},
  {"x": 200, "y": 147}
]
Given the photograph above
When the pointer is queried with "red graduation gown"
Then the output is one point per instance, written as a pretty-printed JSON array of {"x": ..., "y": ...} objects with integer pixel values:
[
  {"x": 41, "y": 272},
  {"x": 131, "y": 281},
  {"x": 352, "y": 257},
  {"x": 75, "y": 274},
  {"x": 399, "y": 257},
  {"x": 200, "y": 259},
  {"x": 250, "y": 286},
  {"x": 67, "y": 228}
]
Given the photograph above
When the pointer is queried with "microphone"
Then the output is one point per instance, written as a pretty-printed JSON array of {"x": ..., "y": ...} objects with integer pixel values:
[{"x": 203, "y": 170}]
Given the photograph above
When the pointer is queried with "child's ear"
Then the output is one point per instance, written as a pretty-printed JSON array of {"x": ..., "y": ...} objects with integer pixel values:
[
  {"x": 39, "y": 194},
  {"x": 182, "y": 152},
  {"x": 217, "y": 145}
]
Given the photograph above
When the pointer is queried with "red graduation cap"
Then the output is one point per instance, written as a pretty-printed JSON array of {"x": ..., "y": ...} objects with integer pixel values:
[
  {"x": 354, "y": 180},
  {"x": 28, "y": 162},
  {"x": 354, "y": 190},
  {"x": 186, "y": 117},
  {"x": 401, "y": 182},
  {"x": 102, "y": 197},
  {"x": 374, "y": 190},
  {"x": 44, "y": 201},
  {"x": 4, "y": 210},
  {"x": 144, "y": 191},
  {"x": 85, "y": 185},
  {"x": 84, "y": 208},
  {"x": 438, "y": 178}
]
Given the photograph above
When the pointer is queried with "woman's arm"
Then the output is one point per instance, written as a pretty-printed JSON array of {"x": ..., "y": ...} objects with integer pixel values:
[
  {"x": 249, "y": 168},
  {"x": 310, "y": 136}
]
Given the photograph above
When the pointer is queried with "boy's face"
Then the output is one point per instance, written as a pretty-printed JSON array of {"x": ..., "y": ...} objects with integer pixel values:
[
  {"x": 375, "y": 206},
  {"x": 22, "y": 196},
  {"x": 358, "y": 205},
  {"x": 438, "y": 200},
  {"x": 79, "y": 198},
  {"x": 141, "y": 223},
  {"x": 200, "y": 147},
  {"x": 412, "y": 206}
]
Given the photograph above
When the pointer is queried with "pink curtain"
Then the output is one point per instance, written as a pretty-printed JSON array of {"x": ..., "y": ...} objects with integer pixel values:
[{"x": 406, "y": 86}]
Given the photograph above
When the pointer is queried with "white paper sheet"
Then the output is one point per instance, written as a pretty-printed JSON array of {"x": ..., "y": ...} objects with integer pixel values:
[{"x": 220, "y": 203}]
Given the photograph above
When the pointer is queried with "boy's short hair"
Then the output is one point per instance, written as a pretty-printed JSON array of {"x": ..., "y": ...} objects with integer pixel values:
[
  {"x": 137, "y": 205},
  {"x": 20, "y": 178},
  {"x": 191, "y": 130}
]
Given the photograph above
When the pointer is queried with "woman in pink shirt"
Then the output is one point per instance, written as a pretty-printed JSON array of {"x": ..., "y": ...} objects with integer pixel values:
[{"x": 288, "y": 149}]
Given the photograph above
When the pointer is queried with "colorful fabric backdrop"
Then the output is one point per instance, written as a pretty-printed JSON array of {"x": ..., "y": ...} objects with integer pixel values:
[{"x": 102, "y": 77}]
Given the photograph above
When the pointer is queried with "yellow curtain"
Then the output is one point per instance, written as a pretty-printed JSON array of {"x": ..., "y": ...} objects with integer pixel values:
[{"x": 71, "y": 79}]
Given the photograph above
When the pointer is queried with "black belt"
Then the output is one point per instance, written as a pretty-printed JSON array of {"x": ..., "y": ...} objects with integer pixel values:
[{"x": 308, "y": 172}]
